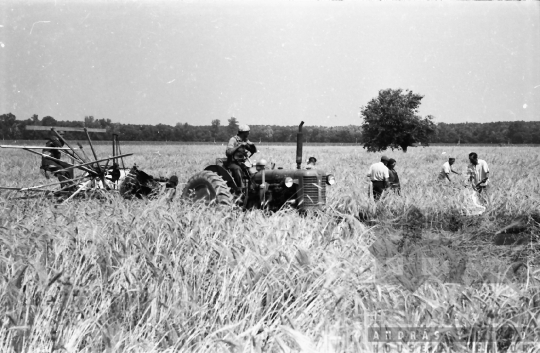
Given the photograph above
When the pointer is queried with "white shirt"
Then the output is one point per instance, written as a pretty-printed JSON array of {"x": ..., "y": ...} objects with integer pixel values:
[
  {"x": 378, "y": 172},
  {"x": 446, "y": 169},
  {"x": 479, "y": 171}
]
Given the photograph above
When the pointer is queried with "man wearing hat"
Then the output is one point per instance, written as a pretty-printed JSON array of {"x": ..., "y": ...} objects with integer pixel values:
[
  {"x": 236, "y": 152},
  {"x": 379, "y": 175},
  {"x": 312, "y": 162},
  {"x": 447, "y": 168}
]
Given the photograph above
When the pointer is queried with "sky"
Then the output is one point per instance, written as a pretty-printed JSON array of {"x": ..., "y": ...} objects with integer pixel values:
[{"x": 267, "y": 62}]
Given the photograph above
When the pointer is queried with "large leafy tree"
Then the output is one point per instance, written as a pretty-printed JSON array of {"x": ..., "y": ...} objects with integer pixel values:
[{"x": 391, "y": 120}]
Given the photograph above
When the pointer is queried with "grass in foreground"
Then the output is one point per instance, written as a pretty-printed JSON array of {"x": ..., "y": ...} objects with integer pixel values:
[{"x": 119, "y": 276}]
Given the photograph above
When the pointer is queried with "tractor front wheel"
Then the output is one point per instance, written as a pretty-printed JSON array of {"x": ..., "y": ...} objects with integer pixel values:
[{"x": 208, "y": 186}]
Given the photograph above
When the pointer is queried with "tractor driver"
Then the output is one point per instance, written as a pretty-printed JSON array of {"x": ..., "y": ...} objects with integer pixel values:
[
  {"x": 237, "y": 152},
  {"x": 49, "y": 166}
]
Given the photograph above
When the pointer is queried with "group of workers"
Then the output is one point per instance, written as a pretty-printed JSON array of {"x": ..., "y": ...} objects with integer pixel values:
[{"x": 383, "y": 176}]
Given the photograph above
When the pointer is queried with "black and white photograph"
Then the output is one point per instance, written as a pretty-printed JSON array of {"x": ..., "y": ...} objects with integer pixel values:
[{"x": 311, "y": 176}]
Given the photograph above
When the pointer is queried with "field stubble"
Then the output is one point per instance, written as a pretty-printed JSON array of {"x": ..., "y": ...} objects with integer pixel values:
[{"x": 116, "y": 275}]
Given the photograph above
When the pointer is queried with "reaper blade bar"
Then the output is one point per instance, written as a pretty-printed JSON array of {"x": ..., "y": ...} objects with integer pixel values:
[
  {"x": 35, "y": 147},
  {"x": 36, "y": 188},
  {"x": 93, "y": 162},
  {"x": 62, "y": 163},
  {"x": 61, "y": 128}
]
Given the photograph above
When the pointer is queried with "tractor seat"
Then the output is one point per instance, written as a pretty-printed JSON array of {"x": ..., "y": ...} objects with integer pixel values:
[{"x": 222, "y": 162}]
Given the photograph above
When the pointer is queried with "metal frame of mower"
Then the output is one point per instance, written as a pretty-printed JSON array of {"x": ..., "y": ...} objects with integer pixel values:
[{"x": 96, "y": 175}]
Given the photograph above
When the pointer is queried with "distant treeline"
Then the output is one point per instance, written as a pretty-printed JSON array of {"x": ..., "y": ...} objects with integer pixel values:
[{"x": 516, "y": 132}]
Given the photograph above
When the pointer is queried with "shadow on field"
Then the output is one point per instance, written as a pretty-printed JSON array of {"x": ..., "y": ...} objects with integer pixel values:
[{"x": 452, "y": 248}]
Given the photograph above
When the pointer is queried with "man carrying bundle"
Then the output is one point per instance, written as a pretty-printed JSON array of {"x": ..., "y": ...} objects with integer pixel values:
[{"x": 478, "y": 173}]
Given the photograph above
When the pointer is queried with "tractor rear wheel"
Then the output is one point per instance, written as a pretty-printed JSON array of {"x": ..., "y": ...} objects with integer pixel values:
[{"x": 208, "y": 186}]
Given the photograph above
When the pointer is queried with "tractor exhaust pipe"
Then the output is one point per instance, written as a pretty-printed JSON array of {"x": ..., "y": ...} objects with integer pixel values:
[{"x": 299, "y": 144}]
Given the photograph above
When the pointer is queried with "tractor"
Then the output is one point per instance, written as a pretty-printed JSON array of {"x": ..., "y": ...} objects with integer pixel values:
[{"x": 269, "y": 189}]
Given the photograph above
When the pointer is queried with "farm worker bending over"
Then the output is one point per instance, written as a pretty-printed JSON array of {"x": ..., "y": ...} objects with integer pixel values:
[
  {"x": 379, "y": 175},
  {"x": 393, "y": 180},
  {"x": 478, "y": 172},
  {"x": 236, "y": 154},
  {"x": 447, "y": 168},
  {"x": 49, "y": 166}
]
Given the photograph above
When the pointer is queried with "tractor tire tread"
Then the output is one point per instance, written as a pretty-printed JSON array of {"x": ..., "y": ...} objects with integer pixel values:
[{"x": 224, "y": 196}]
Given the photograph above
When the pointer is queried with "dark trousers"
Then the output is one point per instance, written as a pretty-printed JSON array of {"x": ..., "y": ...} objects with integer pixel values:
[
  {"x": 396, "y": 189},
  {"x": 378, "y": 188},
  {"x": 236, "y": 171},
  {"x": 62, "y": 176}
]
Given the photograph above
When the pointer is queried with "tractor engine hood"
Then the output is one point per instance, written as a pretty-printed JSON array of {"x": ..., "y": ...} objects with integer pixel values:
[{"x": 275, "y": 176}]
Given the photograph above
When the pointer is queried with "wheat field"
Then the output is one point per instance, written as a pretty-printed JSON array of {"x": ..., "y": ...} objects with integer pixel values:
[{"x": 111, "y": 275}]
